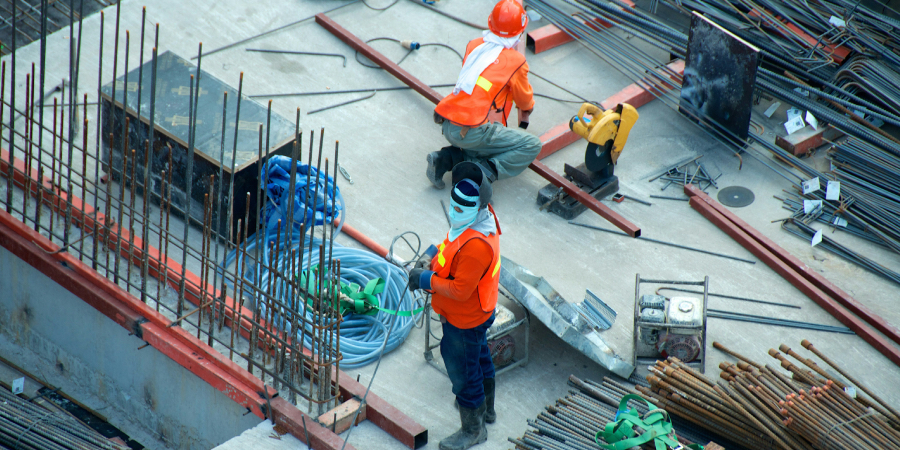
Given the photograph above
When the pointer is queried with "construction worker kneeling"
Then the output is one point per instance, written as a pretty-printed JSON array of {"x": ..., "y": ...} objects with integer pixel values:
[{"x": 493, "y": 77}]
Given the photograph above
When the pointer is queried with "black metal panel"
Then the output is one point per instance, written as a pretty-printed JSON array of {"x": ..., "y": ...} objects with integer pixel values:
[
  {"x": 172, "y": 130},
  {"x": 719, "y": 78}
]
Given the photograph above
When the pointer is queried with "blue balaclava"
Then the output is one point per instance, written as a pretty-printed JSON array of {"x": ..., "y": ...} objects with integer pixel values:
[{"x": 465, "y": 197}]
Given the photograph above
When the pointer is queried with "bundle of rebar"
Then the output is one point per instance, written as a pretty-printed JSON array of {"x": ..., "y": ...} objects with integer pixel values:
[
  {"x": 799, "y": 72},
  {"x": 807, "y": 232},
  {"x": 573, "y": 422},
  {"x": 760, "y": 407},
  {"x": 868, "y": 204},
  {"x": 26, "y": 426}
]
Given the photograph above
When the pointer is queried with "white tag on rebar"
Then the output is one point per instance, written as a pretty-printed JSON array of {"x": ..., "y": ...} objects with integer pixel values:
[
  {"x": 850, "y": 390},
  {"x": 794, "y": 124},
  {"x": 793, "y": 112},
  {"x": 811, "y": 186},
  {"x": 833, "y": 190},
  {"x": 811, "y": 120},
  {"x": 771, "y": 110},
  {"x": 840, "y": 221},
  {"x": 874, "y": 121},
  {"x": 802, "y": 92},
  {"x": 811, "y": 205},
  {"x": 18, "y": 386},
  {"x": 817, "y": 238},
  {"x": 837, "y": 21}
]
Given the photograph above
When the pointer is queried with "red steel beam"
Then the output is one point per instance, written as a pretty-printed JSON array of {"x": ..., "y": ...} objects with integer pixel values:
[
  {"x": 376, "y": 57},
  {"x": 800, "y": 267},
  {"x": 636, "y": 94},
  {"x": 585, "y": 198},
  {"x": 542, "y": 170},
  {"x": 796, "y": 278},
  {"x": 385, "y": 415},
  {"x": 550, "y": 36}
]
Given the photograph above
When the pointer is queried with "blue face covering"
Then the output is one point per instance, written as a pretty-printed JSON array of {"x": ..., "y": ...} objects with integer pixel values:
[{"x": 460, "y": 221}]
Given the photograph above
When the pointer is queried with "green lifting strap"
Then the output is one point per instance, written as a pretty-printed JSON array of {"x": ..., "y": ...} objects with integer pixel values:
[
  {"x": 356, "y": 299},
  {"x": 657, "y": 427}
]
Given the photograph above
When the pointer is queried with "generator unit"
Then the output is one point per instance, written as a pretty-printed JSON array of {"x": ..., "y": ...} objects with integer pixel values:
[{"x": 673, "y": 326}]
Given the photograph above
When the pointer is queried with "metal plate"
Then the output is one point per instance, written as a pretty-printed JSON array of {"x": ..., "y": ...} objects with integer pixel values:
[
  {"x": 719, "y": 79},
  {"x": 736, "y": 196}
]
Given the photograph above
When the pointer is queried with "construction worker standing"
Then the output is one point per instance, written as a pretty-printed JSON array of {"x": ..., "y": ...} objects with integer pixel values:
[
  {"x": 463, "y": 276},
  {"x": 494, "y": 76}
]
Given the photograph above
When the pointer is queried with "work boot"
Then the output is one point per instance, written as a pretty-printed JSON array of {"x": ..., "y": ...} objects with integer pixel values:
[
  {"x": 490, "y": 415},
  {"x": 439, "y": 163},
  {"x": 472, "y": 431}
]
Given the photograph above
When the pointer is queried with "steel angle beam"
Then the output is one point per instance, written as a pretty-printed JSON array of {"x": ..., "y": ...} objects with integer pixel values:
[{"x": 560, "y": 316}]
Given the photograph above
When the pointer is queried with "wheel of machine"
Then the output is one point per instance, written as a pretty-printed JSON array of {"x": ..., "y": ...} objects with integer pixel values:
[
  {"x": 502, "y": 350},
  {"x": 596, "y": 158},
  {"x": 684, "y": 347}
]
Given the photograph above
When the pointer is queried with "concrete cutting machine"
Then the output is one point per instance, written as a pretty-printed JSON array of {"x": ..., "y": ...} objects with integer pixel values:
[{"x": 606, "y": 133}]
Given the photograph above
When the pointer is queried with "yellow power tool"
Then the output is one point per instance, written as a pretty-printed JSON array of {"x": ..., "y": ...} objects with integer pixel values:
[{"x": 606, "y": 133}]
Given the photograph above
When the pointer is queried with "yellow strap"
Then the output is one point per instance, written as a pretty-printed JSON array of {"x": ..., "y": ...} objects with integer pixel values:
[{"x": 484, "y": 83}]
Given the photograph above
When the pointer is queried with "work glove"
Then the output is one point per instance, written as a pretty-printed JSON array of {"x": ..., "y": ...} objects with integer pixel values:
[
  {"x": 424, "y": 261},
  {"x": 420, "y": 279}
]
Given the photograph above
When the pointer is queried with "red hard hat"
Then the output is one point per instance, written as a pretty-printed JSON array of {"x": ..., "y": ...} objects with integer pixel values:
[{"x": 508, "y": 19}]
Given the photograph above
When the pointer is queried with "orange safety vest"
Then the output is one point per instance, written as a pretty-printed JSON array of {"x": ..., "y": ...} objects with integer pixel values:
[
  {"x": 454, "y": 311},
  {"x": 472, "y": 110}
]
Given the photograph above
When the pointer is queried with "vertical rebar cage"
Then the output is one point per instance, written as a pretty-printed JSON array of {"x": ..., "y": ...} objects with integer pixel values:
[{"x": 266, "y": 294}]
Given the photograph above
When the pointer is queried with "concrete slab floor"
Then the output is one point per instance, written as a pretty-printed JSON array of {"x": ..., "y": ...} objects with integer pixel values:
[{"x": 384, "y": 141}]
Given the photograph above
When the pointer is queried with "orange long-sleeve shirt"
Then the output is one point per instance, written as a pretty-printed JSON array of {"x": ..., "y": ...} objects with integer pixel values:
[{"x": 466, "y": 270}]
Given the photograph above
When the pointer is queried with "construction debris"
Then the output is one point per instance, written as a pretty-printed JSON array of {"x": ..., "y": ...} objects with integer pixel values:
[{"x": 560, "y": 316}]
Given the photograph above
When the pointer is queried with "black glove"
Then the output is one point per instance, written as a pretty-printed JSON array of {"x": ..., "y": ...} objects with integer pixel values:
[
  {"x": 420, "y": 279},
  {"x": 424, "y": 261}
]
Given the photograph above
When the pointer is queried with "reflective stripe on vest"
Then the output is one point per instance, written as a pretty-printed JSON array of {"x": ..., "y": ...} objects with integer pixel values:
[
  {"x": 487, "y": 286},
  {"x": 472, "y": 110}
]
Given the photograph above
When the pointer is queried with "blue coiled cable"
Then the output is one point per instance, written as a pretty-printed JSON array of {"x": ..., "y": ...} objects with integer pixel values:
[{"x": 361, "y": 336}]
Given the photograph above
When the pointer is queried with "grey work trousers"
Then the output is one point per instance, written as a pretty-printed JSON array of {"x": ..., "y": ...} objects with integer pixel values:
[{"x": 510, "y": 149}]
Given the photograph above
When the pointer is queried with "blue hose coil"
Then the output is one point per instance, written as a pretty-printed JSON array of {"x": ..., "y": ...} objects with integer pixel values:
[{"x": 361, "y": 336}]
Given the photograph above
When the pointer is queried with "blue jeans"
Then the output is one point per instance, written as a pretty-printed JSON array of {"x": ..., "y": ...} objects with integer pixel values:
[{"x": 468, "y": 361}]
